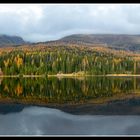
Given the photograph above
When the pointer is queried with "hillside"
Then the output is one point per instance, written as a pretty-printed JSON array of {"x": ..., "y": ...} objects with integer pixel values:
[
  {"x": 120, "y": 42},
  {"x": 113, "y": 41},
  {"x": 10, "y": 40}
]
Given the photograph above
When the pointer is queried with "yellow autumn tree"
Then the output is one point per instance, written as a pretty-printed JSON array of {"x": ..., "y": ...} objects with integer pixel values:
[
  {"x": 85, "y": 62},
  {"x": 18, "y": 90},
  {"x": 6, "y": 63},
  {"x": 18, "y": 60}
]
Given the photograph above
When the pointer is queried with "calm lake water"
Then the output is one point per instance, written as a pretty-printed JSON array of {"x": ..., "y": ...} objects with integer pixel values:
[{"x": 69, "y": 106}]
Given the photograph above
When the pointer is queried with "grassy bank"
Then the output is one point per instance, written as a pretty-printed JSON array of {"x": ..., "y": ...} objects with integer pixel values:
[
  {"x": 123, "y": 75},
  {"x": 71, "y": 75}
]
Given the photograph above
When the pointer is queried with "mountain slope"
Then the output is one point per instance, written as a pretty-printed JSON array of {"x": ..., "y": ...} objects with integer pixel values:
[
  {"x": 11, "y": 40},
  {"x": 123, "y": 42},
  {"x": 114, "y": 41}
]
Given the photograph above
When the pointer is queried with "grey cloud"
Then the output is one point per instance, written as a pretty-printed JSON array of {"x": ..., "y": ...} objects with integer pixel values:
[{"x": 55, "y": 21}]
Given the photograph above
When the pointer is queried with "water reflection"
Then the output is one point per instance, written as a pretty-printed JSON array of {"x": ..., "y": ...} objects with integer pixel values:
[
  {"x": 96, "y": 106},
  {"x": 11, "y": 108},
  {"x": 68, "y": 90},
  {"x": 94, "y": 95},
  {"x": 45, "y": 121}
]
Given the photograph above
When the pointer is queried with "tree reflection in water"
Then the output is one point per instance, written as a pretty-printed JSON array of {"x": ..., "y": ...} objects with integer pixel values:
[{"x": 68, "y": 90}]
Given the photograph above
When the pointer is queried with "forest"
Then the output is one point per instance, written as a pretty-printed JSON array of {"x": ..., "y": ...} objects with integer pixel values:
[{"x": 46, "y": 60}]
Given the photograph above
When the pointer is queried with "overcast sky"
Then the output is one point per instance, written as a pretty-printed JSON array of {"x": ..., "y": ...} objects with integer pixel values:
[{"x": 36, "y": 22}]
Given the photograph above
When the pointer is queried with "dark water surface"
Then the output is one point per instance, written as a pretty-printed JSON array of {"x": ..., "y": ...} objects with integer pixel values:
[{"x": 70, "y": 106}]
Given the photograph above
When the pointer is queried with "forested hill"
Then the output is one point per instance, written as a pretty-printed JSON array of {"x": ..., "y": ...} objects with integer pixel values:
[
  {"x": 6, "y": 40},
  {"x": 120, "y": 42}
]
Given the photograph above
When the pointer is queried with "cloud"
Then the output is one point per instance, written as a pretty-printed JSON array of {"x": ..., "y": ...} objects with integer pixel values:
[
  {"x": 36, "y": 22},
  {"x": 47, "y": 121}
]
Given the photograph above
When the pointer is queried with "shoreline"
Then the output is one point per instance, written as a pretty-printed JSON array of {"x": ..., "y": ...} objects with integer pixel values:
[
  {"x": 18, "y": 76},
  {"x": 70, "y": 75},
  {"x": 80, "y": 108},
  {"x": 107, "y": 75}
]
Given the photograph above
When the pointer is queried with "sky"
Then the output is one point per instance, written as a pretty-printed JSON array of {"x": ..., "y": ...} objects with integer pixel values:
[{"x": 44, "y": 22}]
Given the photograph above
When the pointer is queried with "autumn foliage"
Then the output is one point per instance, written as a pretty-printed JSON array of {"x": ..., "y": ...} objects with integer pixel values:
[{"x": 52, "y": 59}]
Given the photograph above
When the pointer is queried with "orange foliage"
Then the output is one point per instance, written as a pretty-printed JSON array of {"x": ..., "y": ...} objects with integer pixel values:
[{"x": 19, "y": 89}]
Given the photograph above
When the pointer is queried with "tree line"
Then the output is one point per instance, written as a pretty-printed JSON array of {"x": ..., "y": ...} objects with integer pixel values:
[{"x": 66, "y": 59}]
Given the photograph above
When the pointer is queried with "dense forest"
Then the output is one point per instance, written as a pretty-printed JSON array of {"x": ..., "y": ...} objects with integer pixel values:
[{"x": 43, "y": 60}]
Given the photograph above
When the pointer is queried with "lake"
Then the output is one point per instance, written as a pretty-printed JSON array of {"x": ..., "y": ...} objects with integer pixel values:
[{"x": 70, "y": 106}]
